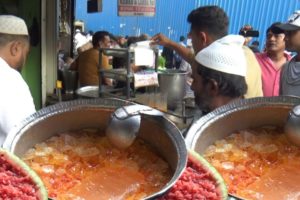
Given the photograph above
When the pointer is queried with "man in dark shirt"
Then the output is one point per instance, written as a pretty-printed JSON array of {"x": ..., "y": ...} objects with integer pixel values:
[{"x": 290, "y": 75}]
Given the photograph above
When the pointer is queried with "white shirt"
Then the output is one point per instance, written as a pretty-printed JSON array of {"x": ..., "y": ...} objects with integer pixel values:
[
  {"x": 16, "y": 102},
  {"x": 182, "y": 44},
  {"x": 89, "y": 37},
  {"x": 79, "y": 40}
]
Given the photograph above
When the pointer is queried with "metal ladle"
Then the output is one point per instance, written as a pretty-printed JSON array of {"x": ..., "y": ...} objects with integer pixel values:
[
  {"x": 125, "y": 122},
  {"x": 292, "y": 127}
]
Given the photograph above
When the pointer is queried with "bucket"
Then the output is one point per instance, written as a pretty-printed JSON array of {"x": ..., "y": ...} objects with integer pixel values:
[{"x": 172, "y": 82}]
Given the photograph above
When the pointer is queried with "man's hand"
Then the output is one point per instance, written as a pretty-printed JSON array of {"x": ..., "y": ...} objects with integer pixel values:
[
  {"x": 185, "y": 53},
  {"x": 160, "y": 39}
]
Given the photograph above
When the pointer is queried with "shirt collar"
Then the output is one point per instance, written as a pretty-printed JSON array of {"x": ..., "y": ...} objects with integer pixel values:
[{"x": 3, "y": 63}]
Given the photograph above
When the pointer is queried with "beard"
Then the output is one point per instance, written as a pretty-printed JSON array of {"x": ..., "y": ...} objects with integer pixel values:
[
  {"x": 20, "y": 64},
  {"x": 203, "y": 102}
]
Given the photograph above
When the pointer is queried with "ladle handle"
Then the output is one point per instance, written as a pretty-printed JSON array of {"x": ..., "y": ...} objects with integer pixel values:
[{"x": 125, "y": 112}]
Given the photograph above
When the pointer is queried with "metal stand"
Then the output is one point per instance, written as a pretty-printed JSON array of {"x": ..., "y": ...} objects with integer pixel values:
[
  {"x": 116, "y": 74},
  {"x": 124, "y": 74}
]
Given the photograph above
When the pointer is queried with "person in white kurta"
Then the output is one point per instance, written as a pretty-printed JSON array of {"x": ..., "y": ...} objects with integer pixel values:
[{"x": 16, "y": 102}]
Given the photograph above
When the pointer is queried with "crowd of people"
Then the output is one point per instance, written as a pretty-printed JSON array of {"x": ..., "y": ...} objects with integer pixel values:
[
  {"x": 271, "y": 72},
  {"x": 222, "y": 67}
]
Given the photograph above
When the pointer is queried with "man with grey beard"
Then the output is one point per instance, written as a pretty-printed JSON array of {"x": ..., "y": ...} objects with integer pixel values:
[{"x": 16, "y": 102}]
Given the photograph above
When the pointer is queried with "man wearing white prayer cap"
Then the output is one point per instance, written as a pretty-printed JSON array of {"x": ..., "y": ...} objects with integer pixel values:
[
  {"x": 219, "y": 76},
  {"x": 16, "y": 102}
]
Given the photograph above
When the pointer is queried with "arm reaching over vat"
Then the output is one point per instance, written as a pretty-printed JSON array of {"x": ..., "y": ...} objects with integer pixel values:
[{"x": 184, "y": 52}]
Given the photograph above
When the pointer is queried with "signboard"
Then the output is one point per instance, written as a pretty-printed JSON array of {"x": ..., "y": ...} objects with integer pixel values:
[{"x": 136, "y": 7}]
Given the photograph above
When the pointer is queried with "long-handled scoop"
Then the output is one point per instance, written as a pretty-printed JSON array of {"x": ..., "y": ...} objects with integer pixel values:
[
  {"x": 292, "y": 126},
  {"x": 125, "y": 123}
]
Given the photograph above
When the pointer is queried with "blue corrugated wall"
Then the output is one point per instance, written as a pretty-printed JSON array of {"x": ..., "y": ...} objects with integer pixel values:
[
  {"x": 170, "y": 18},
  {"x": 171, "y": 15}
]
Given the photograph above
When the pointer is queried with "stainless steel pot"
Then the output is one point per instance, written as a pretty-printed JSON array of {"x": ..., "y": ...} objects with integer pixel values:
[
  {"x": 159, "y": 132},
  {"x": 238, "y": 115},
  {"x": 173, "y": 83}
]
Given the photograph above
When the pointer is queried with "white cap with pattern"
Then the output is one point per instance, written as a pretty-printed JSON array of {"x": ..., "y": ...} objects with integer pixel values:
[
  {"x": 293, "y": 23},
  {"x": 13, "y": 25},
  {"x": 225, "y": 55}
]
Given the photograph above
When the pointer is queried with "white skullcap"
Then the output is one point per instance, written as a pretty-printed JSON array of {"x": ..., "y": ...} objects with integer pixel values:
[
  {"x": 225, "y": 55},
  {"x": 13, "y": 25}
]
